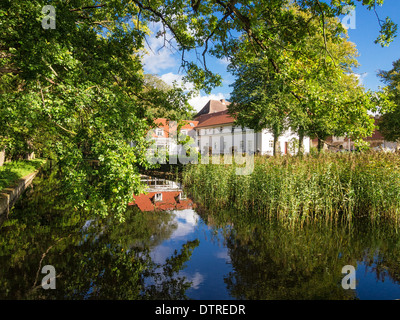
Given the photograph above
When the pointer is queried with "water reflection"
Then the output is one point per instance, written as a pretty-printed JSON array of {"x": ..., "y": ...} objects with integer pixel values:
[
  {"x": 273, "y": 262},
  {"x": 188, "y": 253},
  {"x": 93, "y": 259},
  {"x": 161, "y": 195}
]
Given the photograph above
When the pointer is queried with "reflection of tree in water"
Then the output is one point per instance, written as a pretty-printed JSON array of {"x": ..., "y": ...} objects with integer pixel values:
[
  {"x": 105, "y": 260},
  {"x": 271, "y": 261}
]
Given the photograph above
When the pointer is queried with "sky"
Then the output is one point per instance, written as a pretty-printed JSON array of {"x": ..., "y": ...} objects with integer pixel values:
[{"x": 363, "y": 30}]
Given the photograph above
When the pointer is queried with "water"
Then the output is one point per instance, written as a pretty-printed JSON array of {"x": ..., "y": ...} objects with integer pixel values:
[{"x": 188, "y": 253}]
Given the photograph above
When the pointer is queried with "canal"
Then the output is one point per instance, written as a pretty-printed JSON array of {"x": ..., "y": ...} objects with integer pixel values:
[{"x": 171, "y": 248}]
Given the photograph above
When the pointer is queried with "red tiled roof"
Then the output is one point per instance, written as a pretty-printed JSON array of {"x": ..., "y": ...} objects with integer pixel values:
[
  {"x": 170, "y": 201},
  {"x": 214, "y": 119},
  {"x": 188, "y": 124},
  {"x": 164, "y": 124}
]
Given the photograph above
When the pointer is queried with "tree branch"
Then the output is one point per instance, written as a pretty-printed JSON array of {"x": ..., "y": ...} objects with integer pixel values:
[
  {"x": 44, "y": 106},
  {"x": 88, "y": 7}
]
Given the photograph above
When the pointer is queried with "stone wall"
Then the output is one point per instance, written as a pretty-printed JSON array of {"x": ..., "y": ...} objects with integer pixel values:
[{"x": 9, "y": 196}]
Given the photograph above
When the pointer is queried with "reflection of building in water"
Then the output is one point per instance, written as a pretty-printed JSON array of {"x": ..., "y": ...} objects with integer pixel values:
[{"x": 162, "y": 195}]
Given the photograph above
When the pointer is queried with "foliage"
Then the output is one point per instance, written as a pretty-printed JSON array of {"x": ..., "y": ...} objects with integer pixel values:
[
  {"x": 309, "y": 87},
  {"x": 77, "y": 93},
  {"x": 10, "y": 172},
  {"x": 94, "y": 258},
  {"x": 389, "y": 123}
]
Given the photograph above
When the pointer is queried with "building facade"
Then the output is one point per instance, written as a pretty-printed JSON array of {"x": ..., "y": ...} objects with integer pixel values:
[
  {"x": 217, "y": 134},
  {"x": 167, "y": 135},
  {"x": 376, "y": 142},
  {"x": 213, "y": 131}
]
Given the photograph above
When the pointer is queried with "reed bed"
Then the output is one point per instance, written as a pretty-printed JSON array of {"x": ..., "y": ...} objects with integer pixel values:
[{"x": 328, "y": 186}]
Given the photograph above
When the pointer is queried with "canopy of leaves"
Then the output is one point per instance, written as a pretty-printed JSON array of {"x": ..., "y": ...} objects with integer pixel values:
[
  {"x": 306, "y": 84},
  {"x": 390, "y": 121}
]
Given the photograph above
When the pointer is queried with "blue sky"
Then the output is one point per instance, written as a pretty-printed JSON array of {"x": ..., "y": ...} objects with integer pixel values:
[{"x": 373, "y": 57}]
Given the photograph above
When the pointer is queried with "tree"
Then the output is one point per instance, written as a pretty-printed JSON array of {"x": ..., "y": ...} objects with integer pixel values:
[
  {"x": 260, "y": 99},
  {"x": 78, "y": 90},
  {"x": 311, "y": 89},
  {"x": 81, "y": 85},
  {"x": 389, "y": 123}
]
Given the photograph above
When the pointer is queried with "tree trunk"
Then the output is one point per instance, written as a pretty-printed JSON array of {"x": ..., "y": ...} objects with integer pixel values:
[
  {"x": 275, "y": 144},
  {"x": 301, "y": 137},
  {"x": 320, "y": 145}
]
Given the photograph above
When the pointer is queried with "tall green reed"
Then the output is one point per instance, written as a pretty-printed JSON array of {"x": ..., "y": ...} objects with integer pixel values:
[{"x": 324, "y": 187}]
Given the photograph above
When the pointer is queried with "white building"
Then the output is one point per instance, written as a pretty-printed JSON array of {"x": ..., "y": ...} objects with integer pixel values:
[
  {"x": 217, "y": 134},
  {"x": 166, "y": 135}
]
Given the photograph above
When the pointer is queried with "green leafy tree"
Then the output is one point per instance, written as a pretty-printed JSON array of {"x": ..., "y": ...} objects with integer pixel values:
[
  {"x": 78, "y": 91},
  {"x": 389, "y": 123},
  {"x": 260, "y": 99},
  {"x": 310, "y": 89}
]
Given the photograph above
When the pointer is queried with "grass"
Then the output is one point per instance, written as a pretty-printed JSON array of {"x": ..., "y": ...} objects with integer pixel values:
[
  {"x": 10, "y": 172},
  {"x": 293, "y": 189}
]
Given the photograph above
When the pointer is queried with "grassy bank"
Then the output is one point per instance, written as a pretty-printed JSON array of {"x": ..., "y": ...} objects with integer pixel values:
[
  {"x": 10, "y": 172},
  {"x": 321, "y": 187}
]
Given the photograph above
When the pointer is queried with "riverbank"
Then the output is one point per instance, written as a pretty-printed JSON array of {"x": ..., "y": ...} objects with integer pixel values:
[{"x": 15, "y": 178}]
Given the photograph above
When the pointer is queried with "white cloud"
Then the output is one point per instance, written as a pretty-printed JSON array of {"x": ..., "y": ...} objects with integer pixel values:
[
  {"x": 224, "y": 61},
  {"x": 223, "y": 255},
  {"x": 197, "y": 279},
  {"x": 160, "y": 253},
  {"x": 186, "y": 221},
  {"x": 170, "y": 78},
  {"x": 200, "y": 101},
  {"x": 360, "y": 77},
  {"x": 197, "y": 101},
  {"x": 159, "y": 57}
]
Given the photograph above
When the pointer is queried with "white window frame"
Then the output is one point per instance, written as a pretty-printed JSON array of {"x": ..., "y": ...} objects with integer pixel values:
[
  {"x": 271, "y": 144},
  {"x": 158, "y": 131},
  {"x": 182, "y": 196},
  {"x": 158, "y": 197}
]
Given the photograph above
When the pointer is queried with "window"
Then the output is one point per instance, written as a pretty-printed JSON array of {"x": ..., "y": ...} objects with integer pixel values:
[
  {"x": 271, "y": 144},
  {"x": 182, "y": 196},
  {"x": 220, "y": 129},
  {"x": 250, "y": 146},
  {"x": 241, "y": 145},
  {"x": 158, "y": 197},
  {"x": 159, "y": 132},
  {"x": 162, "y": 147}
]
